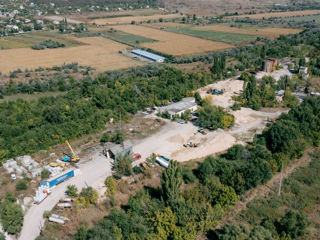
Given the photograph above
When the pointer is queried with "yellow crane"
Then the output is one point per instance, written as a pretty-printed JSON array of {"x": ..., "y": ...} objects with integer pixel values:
[{"x": 74, "y": 157}]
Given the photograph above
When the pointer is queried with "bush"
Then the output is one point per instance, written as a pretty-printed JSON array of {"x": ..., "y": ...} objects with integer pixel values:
[
  {"x": 47, "y": 44},
  {"x": 47, "y": 214},
  {"x": 45, "y": 174},
  {"x": 72, "y": 191},
  {"x": 111, "y": 185},
  {"x": 21, "y": 185},
  {"x": 88, "y": 196}
]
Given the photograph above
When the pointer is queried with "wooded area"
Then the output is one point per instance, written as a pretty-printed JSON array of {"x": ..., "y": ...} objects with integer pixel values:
[{"x": 176, "y": 212}]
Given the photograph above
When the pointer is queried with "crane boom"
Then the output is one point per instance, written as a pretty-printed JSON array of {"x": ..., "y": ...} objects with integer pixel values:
[{"x": 74, "y": 156}]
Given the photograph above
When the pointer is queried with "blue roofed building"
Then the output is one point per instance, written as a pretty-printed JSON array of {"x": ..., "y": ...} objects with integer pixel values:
[{"x": 148, "y": 55}]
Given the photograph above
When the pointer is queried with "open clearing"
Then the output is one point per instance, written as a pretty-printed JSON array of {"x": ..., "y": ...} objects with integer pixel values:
[
  {"x": 170, "y": 139},
  {"x": 263, "y": 32},
  {"x": 278, "y": 14},
  {"x": 173, "y": 43},
  {"x": 129, "y": 19},
  {"x": 29, "y": 39},
  {"x": 227, "y": 37},
  {"x": 96, "y": 52}
]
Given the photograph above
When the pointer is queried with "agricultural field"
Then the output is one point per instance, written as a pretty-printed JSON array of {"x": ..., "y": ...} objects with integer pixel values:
[
  {"x": 97, "y": 52},
  {"x": 263, "y": 32},
  {"x": 129, "y": 19},
  {"x": 227, "y": 37},
  {"x": 173, "y": 43},
  {"x": 163, "y": 25},
  {"x": 29, "y": 39},
  {"x": 278, "y": 14},
  {"x": 298, "y": 19}
]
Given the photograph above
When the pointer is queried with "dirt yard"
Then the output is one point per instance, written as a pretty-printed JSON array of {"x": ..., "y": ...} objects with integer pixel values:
[
  {"x": 173, "y": 43},
  {"x": 278, "y": 14},
  {"x": 170, "y": 139},
  {"x": 125, "y": 20},
  {"x": 100, "y": 53},
  {"x": 263, "y": 32}
]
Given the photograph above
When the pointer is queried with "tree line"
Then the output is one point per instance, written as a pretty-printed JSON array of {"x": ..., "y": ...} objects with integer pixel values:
[{"x": 29, "y": 126}]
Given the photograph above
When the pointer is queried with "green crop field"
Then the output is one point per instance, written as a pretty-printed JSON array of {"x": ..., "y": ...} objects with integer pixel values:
[
  {"x": 29, "y": 39},
  {"x": 130, "y": 39},
  {"x": 232, "y": 38}
]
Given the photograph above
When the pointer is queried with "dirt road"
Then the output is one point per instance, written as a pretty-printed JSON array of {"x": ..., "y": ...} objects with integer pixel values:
[
  {"x": 263, "y": 190},
  {"x": 93, "y": 172}
]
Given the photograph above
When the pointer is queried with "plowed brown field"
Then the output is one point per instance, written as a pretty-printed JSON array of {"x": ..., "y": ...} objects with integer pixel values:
[
  {"x": 173, "y": 43},
  {"x": 97, "y": 52}
]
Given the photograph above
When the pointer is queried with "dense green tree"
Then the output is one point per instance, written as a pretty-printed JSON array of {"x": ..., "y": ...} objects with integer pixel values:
[
  {"x": 123, "y": 165},
  {"x": 280, "y": 134},
  {"x": 171, "y": 180},
  {"x": 11, "y": 217},
  {"x": 293, "y": 224},
  {"x": 233, "y": 232},
  {"x": 213, "y": 117}
]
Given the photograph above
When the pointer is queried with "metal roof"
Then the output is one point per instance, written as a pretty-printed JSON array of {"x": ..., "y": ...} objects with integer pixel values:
[
  {"x": 119, "y": 148},
  {"x": 148, "y": 55}
]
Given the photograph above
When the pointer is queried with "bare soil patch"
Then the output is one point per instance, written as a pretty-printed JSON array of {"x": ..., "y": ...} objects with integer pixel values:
[{"x": 173, "y": 43}]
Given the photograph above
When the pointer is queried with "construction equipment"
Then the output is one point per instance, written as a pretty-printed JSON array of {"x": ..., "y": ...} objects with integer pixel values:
[
  {"x": 215, "y": 91},
  {"x": 202, "y": 131},
  {"x": 54, "y": 164},
  {"x": 136, "y": 156},
  {"x": 191, "y": 144},
  {"x": 72, "y": 157}
]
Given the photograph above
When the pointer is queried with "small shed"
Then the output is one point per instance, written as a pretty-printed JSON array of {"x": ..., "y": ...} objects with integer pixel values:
[{"x": 114, "y": 150}]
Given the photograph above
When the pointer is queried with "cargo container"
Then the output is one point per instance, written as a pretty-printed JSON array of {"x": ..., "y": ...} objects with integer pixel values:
[
  {"x": 59, "y": 179},
  {"x": 163, "y": 161}
]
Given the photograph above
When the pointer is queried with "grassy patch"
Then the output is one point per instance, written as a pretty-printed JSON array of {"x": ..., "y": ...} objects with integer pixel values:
[
  {"x": 226, "y": 37},
  {"x": 29, "y": 39},
  {"x": 130, "y": 39}
]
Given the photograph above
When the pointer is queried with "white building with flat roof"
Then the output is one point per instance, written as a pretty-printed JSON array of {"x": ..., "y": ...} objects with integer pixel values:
[{"x": 179, "y": 108}]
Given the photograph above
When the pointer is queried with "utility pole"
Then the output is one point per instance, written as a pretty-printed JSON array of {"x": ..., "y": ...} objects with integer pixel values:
[
  {"x": 279, "y": 191},
  {"x": 120, "y": 121}
]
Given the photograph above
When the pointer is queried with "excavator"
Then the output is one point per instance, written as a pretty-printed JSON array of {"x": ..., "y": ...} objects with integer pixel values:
[{"x": 71, "y": 157}]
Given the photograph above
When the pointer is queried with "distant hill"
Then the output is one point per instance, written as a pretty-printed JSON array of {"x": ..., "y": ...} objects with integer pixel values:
[
  {"x": 222, "y": 6},
  {"x": 81, "y": 3}
]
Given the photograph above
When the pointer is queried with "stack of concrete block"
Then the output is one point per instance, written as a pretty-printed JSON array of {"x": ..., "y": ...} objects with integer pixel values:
[
  {"x": 10, "y": 165},
  {"x": 35, "y": 172},
  {"x": 54, "y": 170}
]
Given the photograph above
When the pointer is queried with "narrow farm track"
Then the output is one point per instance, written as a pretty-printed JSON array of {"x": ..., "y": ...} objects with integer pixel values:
[{"x": 263, "y": 190}]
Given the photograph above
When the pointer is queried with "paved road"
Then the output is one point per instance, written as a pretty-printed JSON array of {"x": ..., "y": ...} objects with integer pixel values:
[{"x": 93, "y": 172}]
